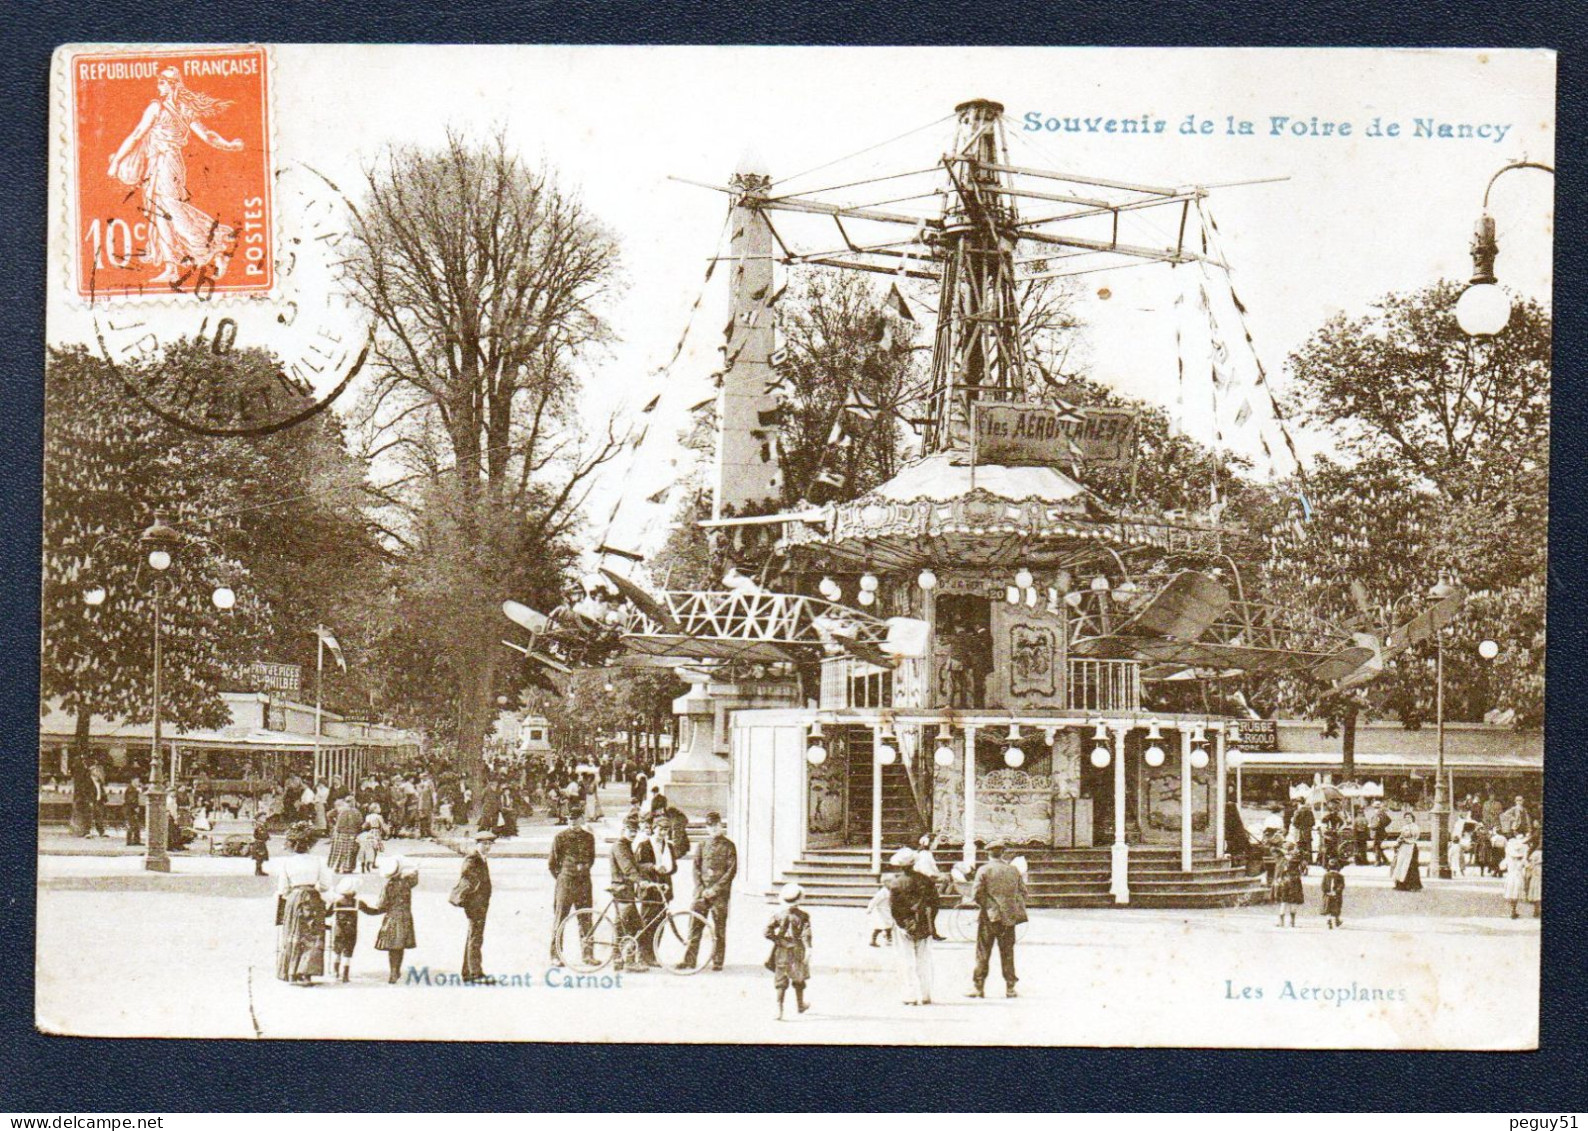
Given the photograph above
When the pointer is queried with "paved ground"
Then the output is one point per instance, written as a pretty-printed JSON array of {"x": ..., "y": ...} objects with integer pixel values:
[{"x": 124, "y": 952}]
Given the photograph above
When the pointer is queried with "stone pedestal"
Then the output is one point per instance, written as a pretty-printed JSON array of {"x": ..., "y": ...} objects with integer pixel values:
[{"x": 696, "y": 778}]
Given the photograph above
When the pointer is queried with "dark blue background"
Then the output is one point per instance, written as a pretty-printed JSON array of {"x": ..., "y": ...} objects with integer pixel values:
[{"x": 58, "y": 1074}]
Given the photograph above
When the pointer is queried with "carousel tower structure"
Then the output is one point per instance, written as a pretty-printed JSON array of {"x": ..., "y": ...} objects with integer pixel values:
[{"x": 970, "y": 650}]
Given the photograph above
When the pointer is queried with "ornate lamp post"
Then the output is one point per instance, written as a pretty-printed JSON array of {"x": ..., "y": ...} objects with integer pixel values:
[
  {"x": 160, "y": 540},
  {"x": 1441, "y": 793},
  {"x": 1483, "y": 308}
]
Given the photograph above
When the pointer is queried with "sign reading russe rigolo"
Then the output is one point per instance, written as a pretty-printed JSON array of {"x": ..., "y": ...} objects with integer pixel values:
[{"x": 1020, "y": 435}]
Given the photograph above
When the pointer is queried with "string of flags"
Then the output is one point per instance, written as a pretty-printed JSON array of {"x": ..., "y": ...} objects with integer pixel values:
[
  {"x": 1223, "y": 380},
  {"x": 657, "y": 375}
]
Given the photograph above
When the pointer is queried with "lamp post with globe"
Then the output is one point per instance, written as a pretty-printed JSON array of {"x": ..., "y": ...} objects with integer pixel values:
[
  {"x": 1483, "y": 309},
  {"x": 159, "y": 541}
]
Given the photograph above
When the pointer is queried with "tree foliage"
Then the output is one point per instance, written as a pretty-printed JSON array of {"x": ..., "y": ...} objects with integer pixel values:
[
  {"x": 487, "y": 281},
  {"x": 274, "y": 518}
]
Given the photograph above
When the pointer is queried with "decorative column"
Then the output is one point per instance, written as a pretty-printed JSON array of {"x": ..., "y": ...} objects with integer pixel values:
[
  {"x": 747, "y": 471},
  {"x": 1221, "y": 776},
  {"x": 1119, "y": 860},
  {"x": 968, "y": 853},
  {"x": 1185, "y": 800},
  {"x": 876, "y": 801}
]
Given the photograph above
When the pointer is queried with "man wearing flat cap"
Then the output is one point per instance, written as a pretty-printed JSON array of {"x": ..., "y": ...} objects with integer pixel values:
[
  {"x": 473, "y": 894},
  {"x": 1000, "y": 892},
  {"x": 573, "y": 852},
  {"x": 716, "y": 863}
]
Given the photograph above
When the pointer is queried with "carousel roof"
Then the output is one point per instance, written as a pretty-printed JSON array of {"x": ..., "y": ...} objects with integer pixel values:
[
  {"x": 939, "y": 510},
  {"x": 937, "y": 478}
]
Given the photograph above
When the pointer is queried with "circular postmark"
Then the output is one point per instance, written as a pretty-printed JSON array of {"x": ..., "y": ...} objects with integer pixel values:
[{"x": 246, "y": 365}]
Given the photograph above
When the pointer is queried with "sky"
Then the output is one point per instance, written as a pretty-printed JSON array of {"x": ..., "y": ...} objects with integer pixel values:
[{"x": 1357, "y": 217}]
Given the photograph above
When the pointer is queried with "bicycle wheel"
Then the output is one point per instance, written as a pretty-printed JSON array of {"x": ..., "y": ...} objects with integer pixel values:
[
  {"x": 962, "y": 922},
  {"x": 589, "y": 949},
  {"x": 673, "y": 943}
]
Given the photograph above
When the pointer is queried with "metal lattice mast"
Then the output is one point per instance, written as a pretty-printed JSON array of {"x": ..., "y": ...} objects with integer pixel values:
[{"x": 977, "y": 351}]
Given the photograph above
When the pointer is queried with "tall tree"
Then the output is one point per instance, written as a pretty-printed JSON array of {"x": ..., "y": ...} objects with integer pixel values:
[
  {"x": 487, "y": 282},
  {"x": 1445, "y": 474}
]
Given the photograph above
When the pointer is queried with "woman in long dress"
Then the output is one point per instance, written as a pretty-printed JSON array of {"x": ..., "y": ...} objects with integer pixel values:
[
  {"x": 182, "y": 238},
  {"x": 301, "y": 882},
  {"x": 345, "y": 827},
  {"x": 1407, "y": 868},
  {"x": 1516, "y": 850},
  {"x": 396, "y": 934}
]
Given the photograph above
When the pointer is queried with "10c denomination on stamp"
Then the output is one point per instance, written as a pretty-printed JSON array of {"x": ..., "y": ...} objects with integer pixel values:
[{"x": 173, "y": 173}]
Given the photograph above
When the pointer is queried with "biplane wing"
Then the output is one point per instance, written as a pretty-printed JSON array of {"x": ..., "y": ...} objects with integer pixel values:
[
  {"x": 1184, "y": 609},
  {"x": 643, "y": 601},
  {"x": 533, "y": 622}
]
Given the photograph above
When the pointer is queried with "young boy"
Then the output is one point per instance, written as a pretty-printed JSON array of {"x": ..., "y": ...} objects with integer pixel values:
[
  {"x": 342, "y": 917},
  {"x": 1288, "y": 892},
  {"x": 1333, "y": 892},
  {"x": 259, "y": 849},
  {"x": 790, "y": 934}
]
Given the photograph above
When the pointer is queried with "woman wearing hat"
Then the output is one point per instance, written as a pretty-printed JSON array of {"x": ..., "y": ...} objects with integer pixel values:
[
  {"x": 1407, "y": 867},
  {"x": 396, "y": 933},
  {"x": 790, "y": 935},
  {"x": 912, "y": 902},
  {"x": 300, "y": 909}
]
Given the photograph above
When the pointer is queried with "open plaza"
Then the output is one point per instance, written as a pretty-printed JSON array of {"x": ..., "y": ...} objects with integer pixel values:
[{"x": 1446, "y": 967}]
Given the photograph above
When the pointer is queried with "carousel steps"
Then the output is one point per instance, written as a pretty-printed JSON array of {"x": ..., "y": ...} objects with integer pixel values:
[{"x": 1055, "y": 878}]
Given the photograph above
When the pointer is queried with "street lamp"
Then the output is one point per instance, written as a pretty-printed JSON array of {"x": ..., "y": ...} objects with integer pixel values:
[
  {"x": 159, "y": 540},
  {"x": 1439, "y": 592},
  {"x": 1483, "y": 308}
]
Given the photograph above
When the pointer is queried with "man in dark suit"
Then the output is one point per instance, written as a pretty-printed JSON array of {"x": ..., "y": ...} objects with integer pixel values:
[
  {"x": 132, "y": 811},
  {"x": 573, "y": 852},
  {"x": 630, "y": 879},
  {"x": 1000, "y": 892},
  {"x": 716, "y": 863},
  {"x": 473, "y": 894}
]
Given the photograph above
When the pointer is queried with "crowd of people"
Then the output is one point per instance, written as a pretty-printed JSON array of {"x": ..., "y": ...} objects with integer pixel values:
[
  {"x": 1484, "y": 837},
  {"x": 319, "y": 900}
]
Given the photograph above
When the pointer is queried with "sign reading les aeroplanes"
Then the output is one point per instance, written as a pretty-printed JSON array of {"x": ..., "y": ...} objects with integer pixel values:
[{"x": 1032, "y": 435}]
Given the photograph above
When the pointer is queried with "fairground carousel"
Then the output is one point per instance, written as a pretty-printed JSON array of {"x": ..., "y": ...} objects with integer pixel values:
[{"x": 966, "y": 651}]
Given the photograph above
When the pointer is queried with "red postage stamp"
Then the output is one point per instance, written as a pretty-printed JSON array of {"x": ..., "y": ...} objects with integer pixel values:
[{"x": 172, "y": 192}]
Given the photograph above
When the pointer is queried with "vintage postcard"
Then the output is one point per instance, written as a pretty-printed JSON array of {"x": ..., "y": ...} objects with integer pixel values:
[{"x": 919, "y": 546}]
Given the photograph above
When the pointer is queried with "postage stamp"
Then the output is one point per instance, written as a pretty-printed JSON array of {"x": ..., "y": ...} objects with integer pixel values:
[{"x": 172, "y": 153}]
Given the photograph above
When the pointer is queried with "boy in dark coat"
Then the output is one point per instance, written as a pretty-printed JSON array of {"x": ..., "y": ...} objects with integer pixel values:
[
  {"x": 790, "y": 935},
  {"x": 259, "y": 849}
]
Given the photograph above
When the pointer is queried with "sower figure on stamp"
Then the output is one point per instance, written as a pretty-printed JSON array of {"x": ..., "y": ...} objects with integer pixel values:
[
  {"x": 473, "y": 894},
  {"x": 1000, "y": 892},
  {"x": 716, "y": 863},
  {"x": 181, "y": 236},
  {"x": 573, "y": 852}
]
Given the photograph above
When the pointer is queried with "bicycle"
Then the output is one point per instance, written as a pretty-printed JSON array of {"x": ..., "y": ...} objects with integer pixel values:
[
  {"x": 586, "y": 950},
  {"x": 964, "y": 917}
]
